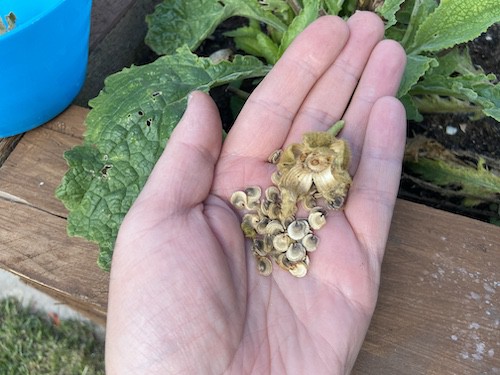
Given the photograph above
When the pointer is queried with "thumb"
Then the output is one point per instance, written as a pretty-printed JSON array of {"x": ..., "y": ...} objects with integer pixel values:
[{"x": 183, "y": 176}]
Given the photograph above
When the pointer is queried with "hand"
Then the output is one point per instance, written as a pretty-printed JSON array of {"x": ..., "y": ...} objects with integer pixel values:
[{"x": 185, "y": 295}]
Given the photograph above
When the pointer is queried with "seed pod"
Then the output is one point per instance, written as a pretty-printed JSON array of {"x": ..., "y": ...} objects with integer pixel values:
[
  {"x": 283, "y": 262},
  {"x": 281, "y": 242},
  {"x": 258, "y": 247},
  {"x": 316, "y": 219},
  {"x": 239, "y": 200},
  {"x": 296, "y": 252},
  {"x": 248, "y": 227},
  {"x": 273, "y": 194},
  {"x": 298, "y": 269},
  {"x": 336, "y": 203},
  {"x": 275, "y": 156},
  {"x": 253, "y": 194},
  {"x": 264, "y": 265},
  {"x": 310, "y": 242},
  {"x": 298, "y": 229},
  {"x": 276, "y": 178},
  {"x": 261, "y": 226},
  {"x": 274, "y": 227}
]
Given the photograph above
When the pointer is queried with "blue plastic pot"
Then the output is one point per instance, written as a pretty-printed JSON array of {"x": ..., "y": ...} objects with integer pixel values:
[{"x": 43, "y": 60}]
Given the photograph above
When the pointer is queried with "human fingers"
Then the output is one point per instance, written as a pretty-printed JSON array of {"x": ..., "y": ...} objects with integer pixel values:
[
  {"x": 328, "y": 99},
  {"x": 380, "y": 78},
  {"x": 375, "y": 185},
  {"x": 183, "y": 175},
  {"x": 265, "y": 120}
]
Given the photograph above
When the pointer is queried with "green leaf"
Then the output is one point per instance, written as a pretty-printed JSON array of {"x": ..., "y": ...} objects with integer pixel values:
[
  {"x": 306, "y": 16},
  {"x": 252, "y": 9},
  {"x": 416, "y": 66},
  {"x": 388, "y": 11},
  {"x": 127, "y": 130},
  {"x": 175, "y": 23},
  {"x": 454, "y": 22},
  {"x": 411, "y": 109},
  {"x": 178, "y": 22},
  {"x": 254, "y": 42},
  {"x": 333, "y": 6},
  {"x": 408, "y": 18}
]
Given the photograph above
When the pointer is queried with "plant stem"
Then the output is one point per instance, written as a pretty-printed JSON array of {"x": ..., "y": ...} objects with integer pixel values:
[
  {"x": 336, "y": 128},
  {"x": 238, "y": 92},
  {"x": 294, "y": 4}
]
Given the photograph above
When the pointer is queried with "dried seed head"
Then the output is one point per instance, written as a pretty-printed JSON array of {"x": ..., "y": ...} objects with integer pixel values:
[
  {"x": 319, "y": 160},
  {"x": 298, "y": 269},
  {"x": 296, "y": 252},
  {"x": 298, "y": 229},
  {"x": 264, "y": 265},
  {"x": 310, "y": 242},
  {"x": 309, "y": 201},
  {"x": 316, "y": 219}
]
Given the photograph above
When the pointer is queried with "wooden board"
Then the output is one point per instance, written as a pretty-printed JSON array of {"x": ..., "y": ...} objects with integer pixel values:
[
  {"x": 439, "y": 305},
  {"x": 33, "y": 239}
]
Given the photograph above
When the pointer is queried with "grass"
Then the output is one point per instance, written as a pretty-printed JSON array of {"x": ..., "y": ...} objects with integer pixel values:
[{"x": 33, "y": 343}]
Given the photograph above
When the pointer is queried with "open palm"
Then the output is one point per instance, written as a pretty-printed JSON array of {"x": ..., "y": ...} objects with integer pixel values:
[{"x": 185, "y": 295}]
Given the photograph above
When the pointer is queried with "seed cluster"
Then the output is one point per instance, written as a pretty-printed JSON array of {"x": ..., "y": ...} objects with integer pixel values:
[{"x": 314, "y": 173}]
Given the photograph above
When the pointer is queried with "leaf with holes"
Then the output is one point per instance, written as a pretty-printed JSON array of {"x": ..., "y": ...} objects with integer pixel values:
[{"x": 127, "y": 130}]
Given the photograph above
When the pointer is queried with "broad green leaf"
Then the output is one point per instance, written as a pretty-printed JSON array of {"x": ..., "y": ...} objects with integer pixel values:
[
  {"x": 454, "y": 22},
  {"x": 307, "y": 15},
  {"x": 127, "y": 129},
  {"x": 416, "y": 66},
  {"x": 388, "y": 11},
  {"x": 411, "y": 14},
  {"x": 178, "y": 22}
]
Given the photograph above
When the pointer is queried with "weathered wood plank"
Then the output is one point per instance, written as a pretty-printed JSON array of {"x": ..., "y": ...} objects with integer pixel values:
[
  {"x": 7, "y": 145},
  {"x": 34, "y": 245},
  {"x": 35, "y": 168},
  {"x": 33, "y": 239},
  {"x": 439, "y": 305}
]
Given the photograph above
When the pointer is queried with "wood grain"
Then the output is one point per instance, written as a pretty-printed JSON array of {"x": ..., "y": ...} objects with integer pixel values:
[
  {"x": 439, "y": 305},
  {"x": 33, "y": 239}
]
